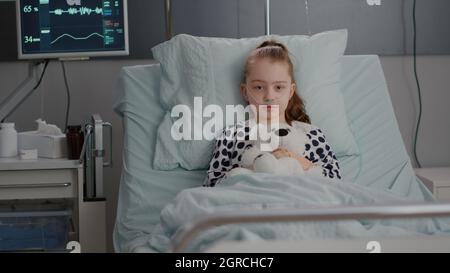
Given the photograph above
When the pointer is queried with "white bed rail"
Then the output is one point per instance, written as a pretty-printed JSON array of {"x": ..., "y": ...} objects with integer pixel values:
[{"x": 311, "y": 214}]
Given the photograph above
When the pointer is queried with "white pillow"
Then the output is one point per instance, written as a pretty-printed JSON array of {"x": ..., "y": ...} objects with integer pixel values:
[{"x": 212, "y": 68}]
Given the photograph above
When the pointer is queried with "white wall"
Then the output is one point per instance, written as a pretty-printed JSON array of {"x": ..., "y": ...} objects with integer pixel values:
[
  {"x": 91, "y": 84},
  {"x": 433, "y": 147}
]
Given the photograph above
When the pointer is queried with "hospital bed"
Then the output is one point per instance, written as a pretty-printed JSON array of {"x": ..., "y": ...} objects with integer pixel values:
[{"x": 383, "y": 164}]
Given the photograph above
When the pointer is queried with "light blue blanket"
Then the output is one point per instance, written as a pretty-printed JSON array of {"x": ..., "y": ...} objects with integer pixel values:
[{"x": 264, "y": 191}]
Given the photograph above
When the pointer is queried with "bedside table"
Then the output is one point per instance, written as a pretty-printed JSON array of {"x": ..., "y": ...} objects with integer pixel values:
[
  {"x": 56, "y": 179},
  {"x": 437, "y": 181}
]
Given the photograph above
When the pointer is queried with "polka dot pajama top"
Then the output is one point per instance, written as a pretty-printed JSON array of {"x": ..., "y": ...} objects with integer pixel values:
[{"x": 229, "y": 149}]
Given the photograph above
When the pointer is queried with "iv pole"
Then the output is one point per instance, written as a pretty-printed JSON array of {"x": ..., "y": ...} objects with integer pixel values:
[
  {"x": 169, "y": 25},
  {"x": 267, "y": 17}
]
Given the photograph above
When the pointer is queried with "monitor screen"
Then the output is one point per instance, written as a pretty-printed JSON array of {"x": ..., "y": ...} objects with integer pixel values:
[{"x": 71, "y": 28}]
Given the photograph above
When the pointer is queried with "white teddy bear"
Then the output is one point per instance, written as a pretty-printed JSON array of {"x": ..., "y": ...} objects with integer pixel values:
[{"x": 259, "y": 157}]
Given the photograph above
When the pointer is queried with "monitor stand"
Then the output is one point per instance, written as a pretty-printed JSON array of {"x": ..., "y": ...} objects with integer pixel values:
[{"x": 21, "y": 92}]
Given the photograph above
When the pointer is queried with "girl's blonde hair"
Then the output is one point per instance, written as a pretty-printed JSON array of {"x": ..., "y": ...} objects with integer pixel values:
[{"x": 278, "y": 52}]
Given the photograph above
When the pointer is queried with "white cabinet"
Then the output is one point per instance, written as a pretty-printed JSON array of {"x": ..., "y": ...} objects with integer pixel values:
[
  {"x": 437, "y": 180},
  {"x": 50, "y": 179}
]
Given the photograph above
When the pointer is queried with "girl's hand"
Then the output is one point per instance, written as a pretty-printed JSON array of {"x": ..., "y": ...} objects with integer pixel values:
[
  {"x": 282, "y": 152},
  {"x": 306, "y": 164}
]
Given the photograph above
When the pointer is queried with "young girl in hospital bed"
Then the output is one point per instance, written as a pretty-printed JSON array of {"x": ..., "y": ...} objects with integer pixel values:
[{"x": 301, "y": 148}]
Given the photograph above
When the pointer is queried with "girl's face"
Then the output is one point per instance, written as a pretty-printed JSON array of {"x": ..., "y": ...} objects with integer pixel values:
[{"x": 268, "y": 86}]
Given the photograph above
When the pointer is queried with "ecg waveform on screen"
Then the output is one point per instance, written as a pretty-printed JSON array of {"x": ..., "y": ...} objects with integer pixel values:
[
  {"x": 77, "y": 38},
  {"x": 77, "y": 11}
]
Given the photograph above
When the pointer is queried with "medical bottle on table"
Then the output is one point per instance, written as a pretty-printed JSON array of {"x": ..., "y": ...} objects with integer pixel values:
[
  {"x": 75, "y": 140},
  {"x": 8, "y": 140}
]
